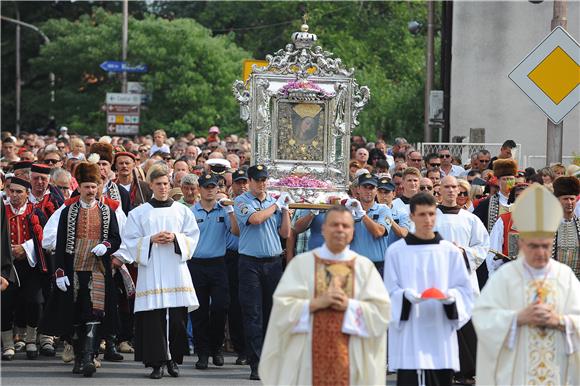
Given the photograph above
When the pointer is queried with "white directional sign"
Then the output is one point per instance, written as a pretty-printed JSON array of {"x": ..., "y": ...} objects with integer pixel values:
[
  {"x": 123, "y": 113},
  {"x": 550, "y": 74}
]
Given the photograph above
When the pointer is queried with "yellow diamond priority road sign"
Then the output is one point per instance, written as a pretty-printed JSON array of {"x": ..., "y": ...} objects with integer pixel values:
[{"x": 550, "y": 74}]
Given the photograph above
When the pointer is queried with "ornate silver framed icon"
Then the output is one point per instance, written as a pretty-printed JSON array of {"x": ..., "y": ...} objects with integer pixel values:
[{"x": 301, "y": 109}]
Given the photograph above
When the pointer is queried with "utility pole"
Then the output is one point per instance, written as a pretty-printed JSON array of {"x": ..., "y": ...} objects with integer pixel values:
[
  {"x": 125, "y": 40},
  {"x": 430, "y": 64},
  {"x": 18, "y": 75},
  {"x": 555, "y": 132},
  {"x": 18, "y": 82}
]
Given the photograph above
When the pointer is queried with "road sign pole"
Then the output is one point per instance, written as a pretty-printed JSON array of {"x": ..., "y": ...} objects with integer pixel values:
[
  {"x": 125, "y": 39},
  {"x": 554, "y": 131}
]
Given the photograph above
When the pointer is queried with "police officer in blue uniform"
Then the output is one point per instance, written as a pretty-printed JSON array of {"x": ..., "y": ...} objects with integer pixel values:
[
  {"x": 398, "y": 221},
  {"x": 235, "y": 325},
  {"x": 370, "y": 226},
  {"x": 209, "y": 273},
  {"x": 262, "y": 220}
]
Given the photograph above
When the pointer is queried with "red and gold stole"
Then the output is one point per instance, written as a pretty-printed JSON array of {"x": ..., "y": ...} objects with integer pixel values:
[{"x": 330, "y": 360}]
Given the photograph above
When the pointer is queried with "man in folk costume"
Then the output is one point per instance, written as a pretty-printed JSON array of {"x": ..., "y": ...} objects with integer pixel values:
[
  {"x": 467, "y": 232},
  {"x": 567, "y": 242},
  {"x": 124, "y": 165},
  {"x": 329, "y": 317},
  {"x": 44, "y": 196},
  {"x": 503, "y": 239},
  {"x": 527, "y": 317},
  {"x": 490, "y": 209},
  {"x": 104, "y": 151},
  {"x": 25, "y": 236},
  {"x": 161, "y": 236},
  {"x": 431, "y": 296},
  {"x": 47, "y": 199},
  {"x": 87, "y": 235}
]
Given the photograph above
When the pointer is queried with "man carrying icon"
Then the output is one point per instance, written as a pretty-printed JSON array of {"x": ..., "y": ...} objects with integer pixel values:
[{"x": 431, "y": 296}]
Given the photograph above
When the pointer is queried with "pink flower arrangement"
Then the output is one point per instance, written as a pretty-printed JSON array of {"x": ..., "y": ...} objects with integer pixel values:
[
  {"x": 304, "y": 85},
  {"x": 302, "y": 182}
]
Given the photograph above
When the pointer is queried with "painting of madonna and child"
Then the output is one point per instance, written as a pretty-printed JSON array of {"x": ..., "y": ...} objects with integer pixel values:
[{"x": 301, "y": 131}]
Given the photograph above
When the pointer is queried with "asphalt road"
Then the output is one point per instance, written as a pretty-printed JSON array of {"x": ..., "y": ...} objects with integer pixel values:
[{"x": 53, "y": 372}]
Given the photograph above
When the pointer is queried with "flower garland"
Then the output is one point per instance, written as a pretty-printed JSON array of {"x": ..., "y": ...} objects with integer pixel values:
[{"x": 302, "y": 182}]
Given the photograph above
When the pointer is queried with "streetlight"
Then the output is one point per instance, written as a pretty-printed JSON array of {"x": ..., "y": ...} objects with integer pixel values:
[{"x": 51, "y": 74}]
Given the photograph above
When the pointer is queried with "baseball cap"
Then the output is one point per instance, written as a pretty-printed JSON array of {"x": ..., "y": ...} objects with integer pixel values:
[
  {"x": 239, "y": 175},
  {"x": 367, "y": 179},
  {"x": 208, "y": 179},
  {"x": 385, "y": 184},
  {"x": 257, "y": 171}
]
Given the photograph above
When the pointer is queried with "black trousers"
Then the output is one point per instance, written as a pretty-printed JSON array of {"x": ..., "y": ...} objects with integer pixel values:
[
  {"x": 467, "y": 340},
  {"x": 151, "y": 336},
  {"x": 258, "y": 281},
  {"x": 380, "y": 266},
  {"x": 442, "y": 377},
  {"x": 83, "y": 305},
  {"x": 235, "y": 323},
  {"x": 22, "y": 305},
  {"x": 208, "y": 322}
]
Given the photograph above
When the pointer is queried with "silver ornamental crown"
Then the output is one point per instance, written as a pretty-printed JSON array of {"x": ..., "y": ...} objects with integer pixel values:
[{"x": 303, "y": 39}]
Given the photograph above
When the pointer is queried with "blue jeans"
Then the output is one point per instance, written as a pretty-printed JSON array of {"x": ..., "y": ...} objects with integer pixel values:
[{"x": 258, "y": 281}]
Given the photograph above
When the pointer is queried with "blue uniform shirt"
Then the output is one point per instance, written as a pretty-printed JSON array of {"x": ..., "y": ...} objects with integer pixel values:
[
  {"x": 366, "y": 244},
  {"x": 214, "y": 226},
  {"x": 260, "y": 240},
  {"x": 232, "y": 242},
  {"x": 316, "y": 240},
  {"x": 400, "y": 212}
]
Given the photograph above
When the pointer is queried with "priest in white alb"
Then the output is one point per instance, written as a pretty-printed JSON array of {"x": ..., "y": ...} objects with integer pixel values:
[
  {"x": 527, "y": 317},
  {"x": 432, "y": 298},
  {"x": 160, "y": 236},
  {"x": 329, "y": 317}
]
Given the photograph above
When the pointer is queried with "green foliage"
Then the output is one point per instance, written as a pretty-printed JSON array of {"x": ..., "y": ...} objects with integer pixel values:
[
  {"x": 372, "y": 37},
  {"x": 190, "y": 73}
]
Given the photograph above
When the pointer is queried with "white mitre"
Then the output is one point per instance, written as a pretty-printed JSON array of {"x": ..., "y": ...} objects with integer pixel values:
[{"x": 537, "y": 213}]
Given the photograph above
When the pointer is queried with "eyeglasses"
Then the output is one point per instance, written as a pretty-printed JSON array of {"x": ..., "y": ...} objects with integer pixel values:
[
  {"x": 415, "y": 159},
  {"x": 463, "y": 194},
  {"x": 62, "y": 187},
  {"x": 444, "y": 155},
  {"x": 436, "y": 194},
  {"x": 425, "y": 187},
  {"x": 51, "y": 161},
  {"x": 435, "y": 165},
  {"x": 484, "y": 161}
]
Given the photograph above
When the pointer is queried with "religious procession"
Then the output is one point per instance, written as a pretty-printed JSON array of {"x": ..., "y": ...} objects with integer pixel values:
[{"x": 300, "y": 251}]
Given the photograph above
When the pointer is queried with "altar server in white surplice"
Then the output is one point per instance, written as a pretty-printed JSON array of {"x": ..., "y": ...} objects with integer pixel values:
[
  {"x": 431, "y": 298},
  {"x": 527, "y": 317},
  {"x": 330, "y": 314},
  {"x": 160, "y": 236}
]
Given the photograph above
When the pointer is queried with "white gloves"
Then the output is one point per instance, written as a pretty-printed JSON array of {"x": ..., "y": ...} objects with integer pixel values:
[
  {"x": 315, "y": 212},
  {"x": 99, "y": 250},
  {"x": 412, "y": 296},
  {"x": 448, "y": 300},
  {"x": 283, "y": 201},
  {"x": 62, "y": 283},
  {"x": 355, "y": 206},
  {"x": 228, "y": 208}
]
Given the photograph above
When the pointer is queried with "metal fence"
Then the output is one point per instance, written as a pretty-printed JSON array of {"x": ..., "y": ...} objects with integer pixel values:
[
  {"x": 539, "y": 161},
  {"x": 465, "y": 150}
]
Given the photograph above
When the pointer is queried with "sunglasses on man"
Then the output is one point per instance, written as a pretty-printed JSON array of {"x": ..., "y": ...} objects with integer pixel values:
[
  {"x": 425, "y": 187},
  {"x": 50, "y": 161}
]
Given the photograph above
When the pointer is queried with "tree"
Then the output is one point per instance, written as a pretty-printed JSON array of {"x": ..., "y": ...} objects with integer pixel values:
[
  {"x": 372, "y": 37},
  {"x": 190, "y": 73}
]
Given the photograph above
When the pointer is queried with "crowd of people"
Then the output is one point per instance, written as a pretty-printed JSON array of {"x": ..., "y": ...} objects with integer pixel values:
[{"x": 160, "y": 246}]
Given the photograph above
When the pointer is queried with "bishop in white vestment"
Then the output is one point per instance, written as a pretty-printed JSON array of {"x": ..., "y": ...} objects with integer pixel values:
[
  {"x": 527, "y": 317},
  {"x": 310, "y": 341}
]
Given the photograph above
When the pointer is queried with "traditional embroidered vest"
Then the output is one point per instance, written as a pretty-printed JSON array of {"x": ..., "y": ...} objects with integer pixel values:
[
  {"x": 567, "y": 244},
  {"x": 510, "y": 236},
  {"x": 19, "y": 224}
]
